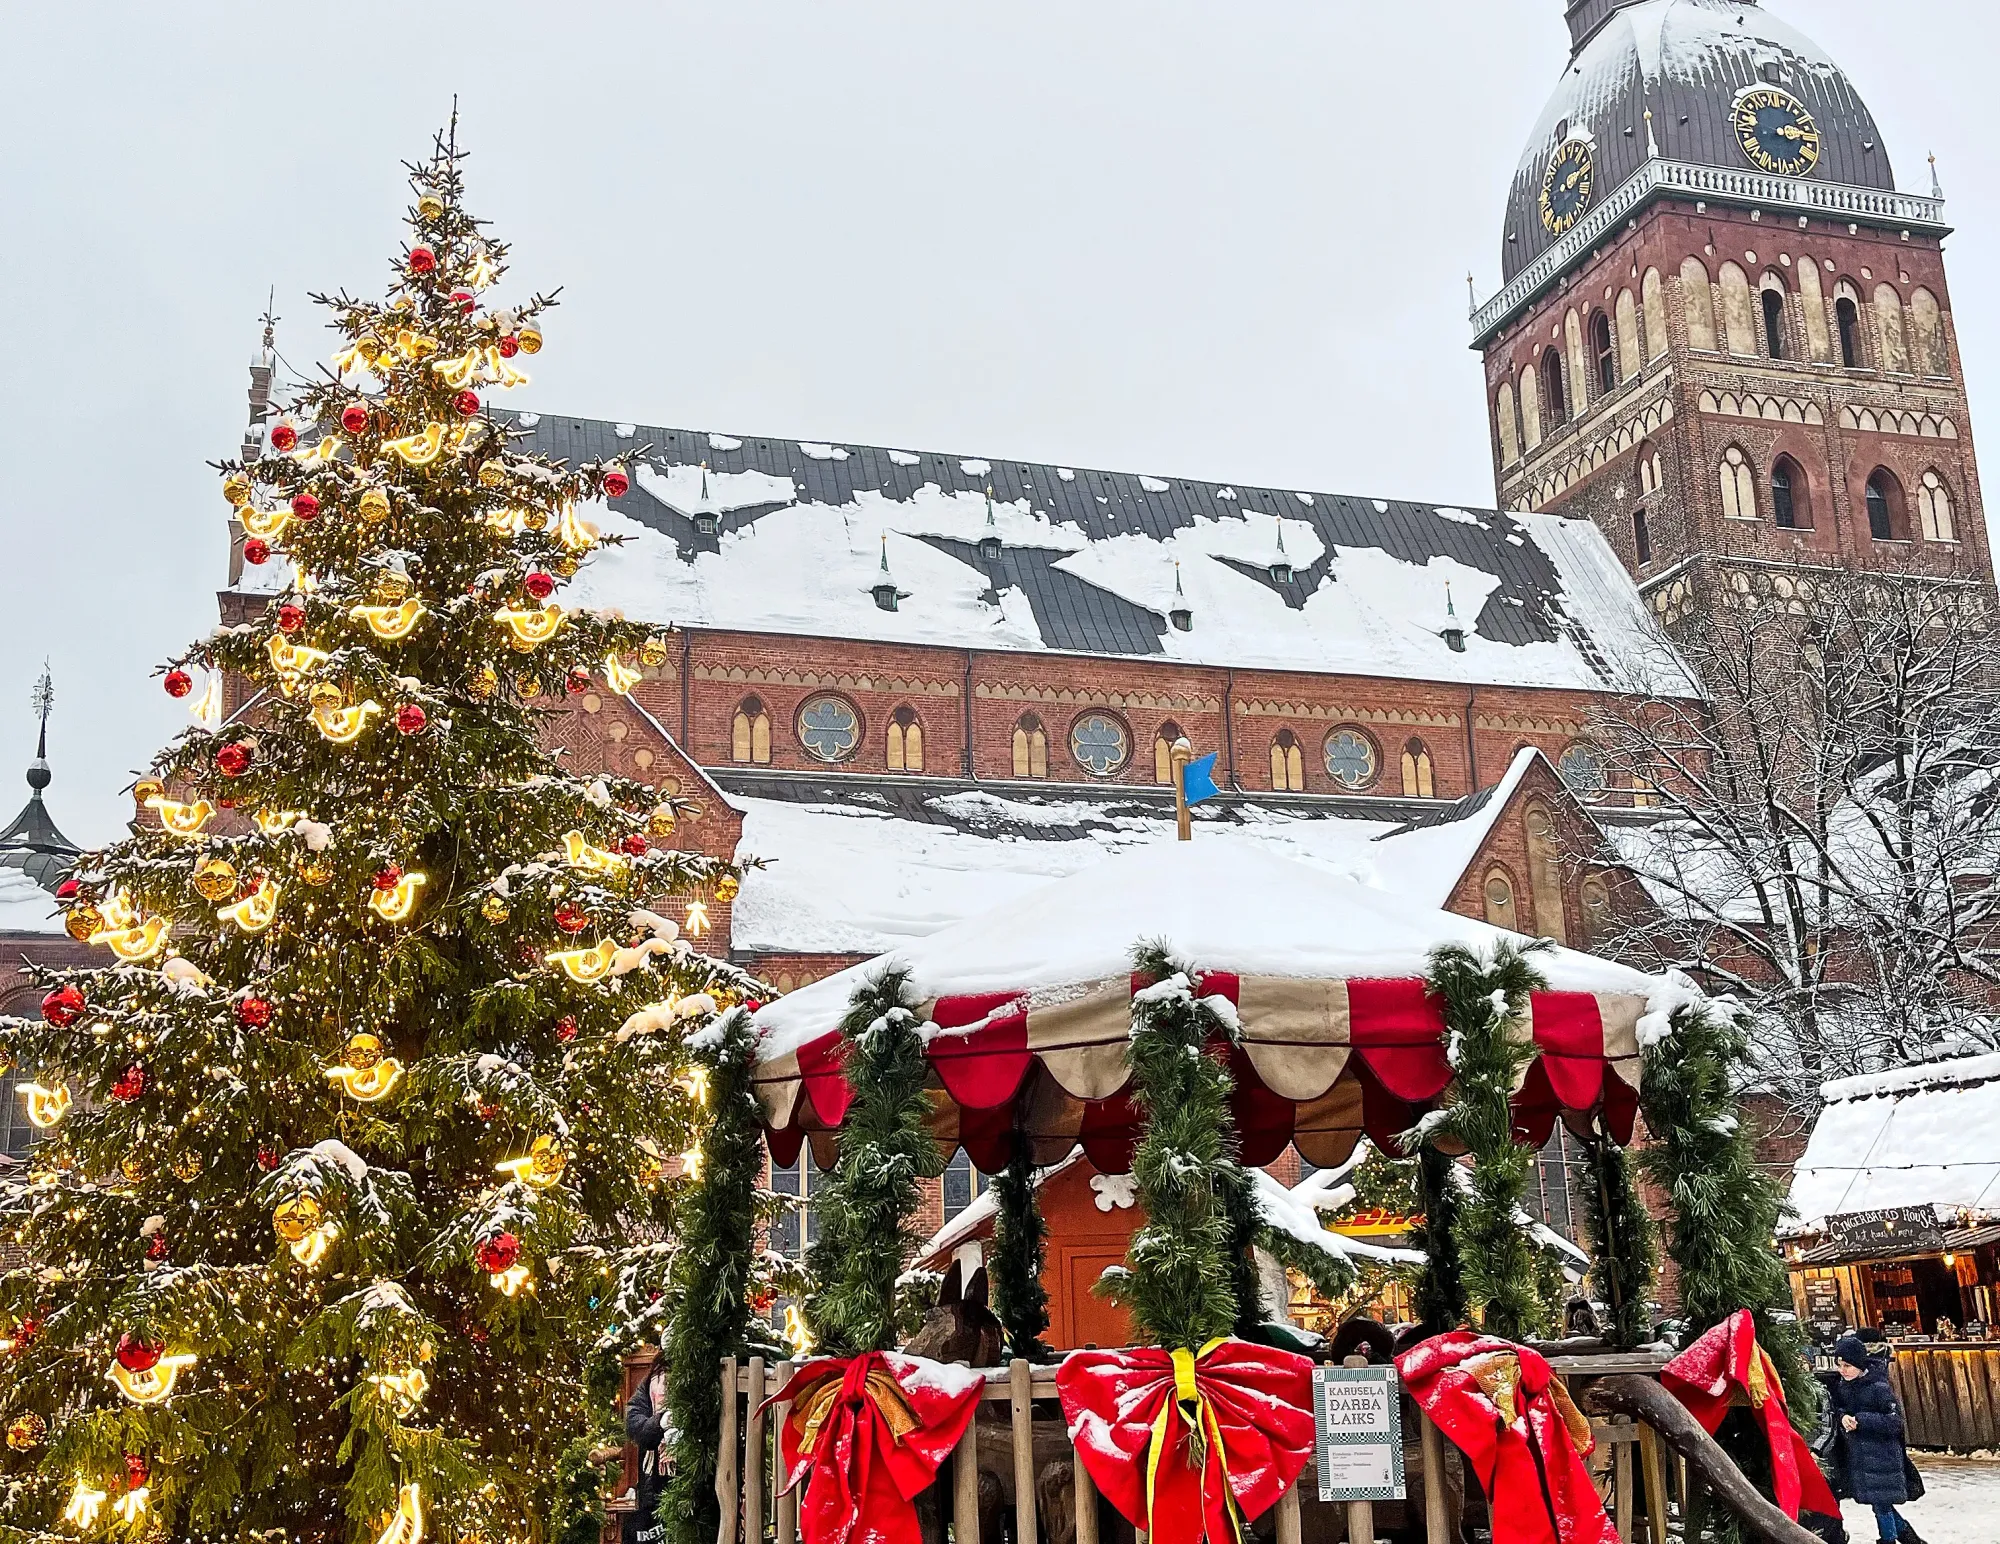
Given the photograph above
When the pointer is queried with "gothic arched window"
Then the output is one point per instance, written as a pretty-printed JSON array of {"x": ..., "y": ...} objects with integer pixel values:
[
  {"x": 1603, "y": 354},
  {"x": 1791, "y": 496},
  {"x": 906, "y": 741},
  {"x": 1163, "y": 753},
  {"x": 1847, "y": 315},
  {"x": 1934, "y": 509},
  {"x": 1555, "y": 400},
  {"x": 1418, "y": 780},
  {"x": 1288, "y": 763},
  {"x": 1739, "y": 486},
  {"x": 750, "y": 733},
  {"x": 1499, "y": 893},
  {"x": 1773, "y": 299},
  {"x": 1031, "y": 747},
  {"x": 1885, "y": 507}
]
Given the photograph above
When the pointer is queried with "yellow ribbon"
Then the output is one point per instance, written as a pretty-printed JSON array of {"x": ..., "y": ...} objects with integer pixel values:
[
  {"x": 1203, "y": 1430},
  {"x": 818, "y": 1403}
]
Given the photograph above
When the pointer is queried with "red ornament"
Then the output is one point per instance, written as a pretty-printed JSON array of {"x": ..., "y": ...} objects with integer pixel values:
[
  {"x": 499, "y": 1253},
  {"x": 283, "y": 437},
  {"x": 136, "y": 1355},
  {"x": 291, "y": 617},
  {"x": 130, "y": 1085},
  {"x": 256, "y": 551},
  {"x": 24, "y": 1335},
  {"x": 423, "y": 260},
  {"x": 636, "y": 845},
  {"x": 616, "y": 484},
  {"x": 467, "y": 403},
  {"x": 509, "y": 346},
  {"x": 388, "y": 878},
  {"x": 69, "y": 889},
  {"x": 477, "y": 1335},
  {"x": 233, "y": 759},
  {"x": 488, "y": 1111},
  {"x": 354, "y": 418},
  {"x": 572, "y": 918},
  {"x": 267, "y": 1158},
  {"x": 762, "y": 1299},
  {"x": 178, "y": 683},
  {"x": 254, "y": 1012},
  {"x": 752, "y": 1004},
  {"x": 540, "y": 586},
  {"x": 63, "y": 1007},
  {"x": 306, "y": 507},
  {"x": 577, "y": 681},
  {"x": 565, "y": 1029},
  {"x": 465, "y": 300},
  {"x": 138, "y": 1473},
  {"x": 156, "y": 1247},
  {"x": 410, "y": 718}
]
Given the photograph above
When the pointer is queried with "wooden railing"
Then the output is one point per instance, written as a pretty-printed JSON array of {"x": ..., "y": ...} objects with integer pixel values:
[
  {"x": 754, "y": 1513},
  {"x": 1950, "y": 1395}
]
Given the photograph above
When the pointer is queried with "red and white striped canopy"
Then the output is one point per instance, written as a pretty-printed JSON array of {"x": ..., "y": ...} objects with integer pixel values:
[{"x": 1338, "y": 1038}]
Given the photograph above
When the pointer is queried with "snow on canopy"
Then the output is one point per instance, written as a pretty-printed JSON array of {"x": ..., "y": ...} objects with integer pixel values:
[
  {"x": 867, "y": 869},
  {"x": 779, "y": 536},
  {"x": 25, "y": 907},
  {"x": 1225, "y": 906},
  {"x": 1915, "y": 1136}
]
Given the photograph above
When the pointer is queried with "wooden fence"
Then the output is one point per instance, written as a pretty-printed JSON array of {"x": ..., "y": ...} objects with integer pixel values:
[
  {"x": 753, "y": 1513},
  {"x": 1950, "y": 1395}
]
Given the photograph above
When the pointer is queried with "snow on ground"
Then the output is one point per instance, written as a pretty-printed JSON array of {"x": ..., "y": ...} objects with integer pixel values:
[
  {"x": 1961, "y": 1504},
  {"x": 25, "y": 907}
]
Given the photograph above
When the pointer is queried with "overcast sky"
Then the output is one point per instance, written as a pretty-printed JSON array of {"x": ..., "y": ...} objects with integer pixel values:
[{"x": 1223, "y": 239}]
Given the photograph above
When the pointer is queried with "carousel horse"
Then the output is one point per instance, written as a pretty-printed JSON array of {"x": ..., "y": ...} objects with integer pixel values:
[{"x": 960, "y": 1328}]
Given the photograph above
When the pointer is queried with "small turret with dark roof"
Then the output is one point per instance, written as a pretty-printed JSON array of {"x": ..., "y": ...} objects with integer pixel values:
[{"x": 32, "y": 843}]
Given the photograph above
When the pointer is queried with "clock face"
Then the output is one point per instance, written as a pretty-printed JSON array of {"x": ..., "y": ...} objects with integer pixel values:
[
  {"x": 1567, "y": 184},
  {"x": 1776, "y": 132}
]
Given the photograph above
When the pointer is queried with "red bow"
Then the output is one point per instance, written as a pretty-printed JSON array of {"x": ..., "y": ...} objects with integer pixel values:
[
  {"x": 1180, "y": 1443},
  {"x": 1726, "y": 1361},
  {"x": 871, "y": 1432}
]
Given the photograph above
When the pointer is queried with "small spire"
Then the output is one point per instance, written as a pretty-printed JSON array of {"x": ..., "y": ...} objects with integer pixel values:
[
  {"x": 40, "y": 701},
  {"x": 887, "y": 596},
  {"x": 1937, "y": 188},
  {"x": 885, "y": 554},
  {"x": 1453, "y": 631},
  {"x": 1177, "y": 578},
  {"x": 704, "y": 485},
  {"x": 1181, "y": 615},
  {"x": 990, "y": 545},
  {"x": 1471, "y": 296},
  {"x": 1449, "y": 609},
  {"x": 1652, "y": 144}
]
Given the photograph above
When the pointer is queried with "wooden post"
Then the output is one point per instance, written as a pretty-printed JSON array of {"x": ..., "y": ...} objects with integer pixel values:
[
  {"x": 788, "y": 1502},
  {"x": 1290, "y": 1530},
  {"x": 753, "y": 1458},
  {"x": 1020, "y": 1378},
  {"x": 1182, "y": 753},
  {"x": 965, "y": 1487},
  {"x": 1086, "y": 1506},
  {"x": 1437, "y": 1511},
  {"x": 1621, "y": 1487},
  {"x": 1652, "y": 1460},
  {"x": 726, "y": 1492},
  {"x": 1360, "y": 1514}
]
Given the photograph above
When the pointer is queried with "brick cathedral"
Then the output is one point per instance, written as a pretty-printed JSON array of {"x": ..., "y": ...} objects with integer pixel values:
[{"x": 917, "y": 684}]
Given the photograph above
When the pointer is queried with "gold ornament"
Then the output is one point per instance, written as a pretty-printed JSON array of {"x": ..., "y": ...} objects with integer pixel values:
[
  {"x": 661, "y": 821},
  {"x": 530, "y": 684},
  {"x": 344, "y": 725},
  {"x": 214, "y": 879},
  {"x": 396, "y": 904},
  {"x": 579, "y": 854},
  {"x": 534, "y": 519},
  {"x": 46, "y": 1106},
  {"x": 133, "y": 1167},
  {"x": 367, "y": 1075},
  {"x": 542, "y": 1168},
  {"x": 653, "y": 653},
  {"x": 256, "y": 910},
  {"x": 326, "y": 695},
  {"x": 152, "y": 1385},
  {"x": 405, "y": 1525},
  {"x": 565, "y": 567},
  {"x": 530, "y": 338},
  {"x": 292, "y": 661},
  {"x": 584, "y": 966},
  {"x": 727, "y": 888},
  {"x": 418, "y": 449},
  {"x": 492, "y": 473},
  {"x": 430, "y": 207},
  {"x": 493, "y": 909},
  {"x": 187, "y": 1165},
  {"x": 146, "y": 790},
  {"x": 392, "y": 622},
  {"x": 619, "y": 676},
  {"x": 26, "y": 1431},
  {"x": 363, "y": 1051},
  {"x": 236, "y": 489},
  {"x": 294, "y": 1219},
  {"x": 83, "y": 922},
  {"x": 484, "y": 683},
  {"x": 532, "y": 626},
  {"x": 390, "y": 586},
  {"x": 315, "y": 869},
  {"x": 374, "y": 507},
  {"x": 177, "y": 819}
]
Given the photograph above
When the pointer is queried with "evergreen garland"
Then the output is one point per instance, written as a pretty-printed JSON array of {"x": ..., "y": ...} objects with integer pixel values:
[
  {"x": 1725, "y": 1211},
  {"x": 1442, "y": 1303},
  {"x": 1621, "y": 1241},
  {"x": 886, "y": 1150},
  {"x": 1247, "y": 1229},
  {"x": 711, "y": 1282},
  {"x": 1014, "y": 1274},
  {"x": 1482, "y": 1000},
  {"x": 1181, "y": 1287}
]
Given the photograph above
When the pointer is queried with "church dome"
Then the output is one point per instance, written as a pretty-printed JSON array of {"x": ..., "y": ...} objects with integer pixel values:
[{"x": 1711, "y": 72}]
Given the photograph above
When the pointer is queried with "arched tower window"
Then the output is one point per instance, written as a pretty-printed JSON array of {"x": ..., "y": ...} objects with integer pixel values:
[
  {"x": 1418, "y": 781},
  {"x": 1649, "y": 469},
  {"x": 1773, "y": 300},
  {"x": 1288, "y": 763},
  {"x": 1847, "y": 318},
  {"x": 1812, "y": 302},
  {"x": 1499, "y": 895},
  {"x": 1508, "y": 425},
  {"x": 1031, "y": 747},
  {"x": 1927, "y": 350},
  {"x": 1791, "y": 496},
  {"x": 750, "y": 733},
  {"x": 1653, "y": 301},
  {"x": 1739, "y": 486},
  {"x": 906, "y": 741},
  {"x": 1555, "y": 400},
  {"x": 1894, "y": 352},
  {"x": 1531, "y": 410},
  {"x": 1698, "y": 302},
  {"x": 1545, "y": 871},
  {"x": 1630, "y": 360},
  {"x": 1163, "y": 753},
  {"x": 1603, "y": 354},
  {"x": 1885, "y": 507},
  {"x": 1934, "y": 509},
  {"x": 1642, "y": 538}
]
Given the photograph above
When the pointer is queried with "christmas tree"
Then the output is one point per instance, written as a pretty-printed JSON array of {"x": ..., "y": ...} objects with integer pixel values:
[{"x": 366, "y": 1140}]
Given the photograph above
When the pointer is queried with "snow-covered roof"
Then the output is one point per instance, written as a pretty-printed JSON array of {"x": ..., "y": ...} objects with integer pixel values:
[
  {"x": 863, "y": 866},
  {"x": 25, "y": 907},
  {"x": 1231, "y": 906},
  {"x": 1916, "y": 1136},
  {"x": 1088, "y": 562}
]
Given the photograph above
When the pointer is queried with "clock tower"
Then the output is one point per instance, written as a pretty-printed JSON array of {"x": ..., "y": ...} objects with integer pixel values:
[{"x": 1724, "y": 334}]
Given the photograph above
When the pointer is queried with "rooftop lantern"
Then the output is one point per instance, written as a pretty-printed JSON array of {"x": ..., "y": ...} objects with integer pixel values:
[
  {"x": 1181, "y": 616},
  {"x": 884, "y": 589},
  {"x": 989, "y": 539},
  {"x": 1281, "y": 566},
  {"x": 706, "y": 521},
  {"x": 1453, "y": 631}
]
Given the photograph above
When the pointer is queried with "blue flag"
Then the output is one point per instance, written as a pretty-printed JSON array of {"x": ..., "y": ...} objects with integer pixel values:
[{"x": 1198, "y": 780}]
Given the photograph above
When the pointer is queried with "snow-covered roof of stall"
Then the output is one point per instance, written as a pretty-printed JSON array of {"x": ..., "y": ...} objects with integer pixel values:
[
  {"x": 1916, "y": 1136},
  {"x": 25, "y": 907},
  {"x": 1089, "y": 562},
  {"x": 1221, "y": 905},
  {"x": 865, "y": 865}
]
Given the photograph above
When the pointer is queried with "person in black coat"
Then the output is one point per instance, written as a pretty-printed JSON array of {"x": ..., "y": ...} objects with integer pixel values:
[
  {"x": 1869, "y": 1420},
  {"x": 646, "y": 1425}
]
